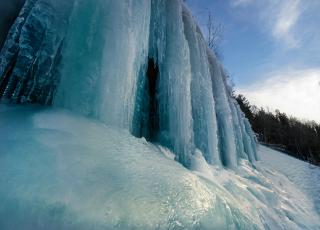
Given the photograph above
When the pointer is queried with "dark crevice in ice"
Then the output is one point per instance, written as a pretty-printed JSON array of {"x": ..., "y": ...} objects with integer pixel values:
[
  {"x": 146, "y": 118},
  {"x": 153, "y": 116}
]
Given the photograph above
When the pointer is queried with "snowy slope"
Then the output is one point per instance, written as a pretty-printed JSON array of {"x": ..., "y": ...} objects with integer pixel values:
[
  {"x": 304, "y": 175},
  {"x": 60, "y": 170}
]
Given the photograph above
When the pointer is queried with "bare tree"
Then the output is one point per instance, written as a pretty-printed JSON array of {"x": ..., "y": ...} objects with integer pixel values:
[{"x": 214, "y": 33}]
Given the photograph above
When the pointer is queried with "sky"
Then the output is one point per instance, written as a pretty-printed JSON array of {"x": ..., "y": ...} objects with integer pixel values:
[{"x": 271, "y": 50}]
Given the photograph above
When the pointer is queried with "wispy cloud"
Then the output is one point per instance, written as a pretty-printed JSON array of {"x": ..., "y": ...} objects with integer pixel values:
[
  {"x": 296, "y": 92},
  {"x": 235, "y": 3},
  {"x": 278, "y": 17},
  {"x": 286, "y": 14}
]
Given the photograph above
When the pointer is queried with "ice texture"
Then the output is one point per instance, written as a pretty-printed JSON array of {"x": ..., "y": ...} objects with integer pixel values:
[
  {"x": 32, "y": 52},
  {"x": 60, "y": 170}
]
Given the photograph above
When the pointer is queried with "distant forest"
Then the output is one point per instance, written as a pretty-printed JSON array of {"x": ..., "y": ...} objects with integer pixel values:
[{"x": 297, "y": 138}]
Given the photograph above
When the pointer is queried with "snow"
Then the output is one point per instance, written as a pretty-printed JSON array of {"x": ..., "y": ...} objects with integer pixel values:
[
  {"x": 60, "y": 170},
  {"x": 304, "y": 175}
]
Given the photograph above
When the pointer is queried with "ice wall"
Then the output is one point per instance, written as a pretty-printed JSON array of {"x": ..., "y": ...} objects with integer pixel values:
[
  {"x": 136, "y": 64},
  {"x": 106, "y": 46}
]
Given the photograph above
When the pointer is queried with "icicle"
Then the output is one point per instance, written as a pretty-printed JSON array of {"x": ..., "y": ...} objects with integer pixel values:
[
  {"x": 203, "y": 111},
  {"x": 104, "y": 53},
  {"x": 227, "y": 142}
]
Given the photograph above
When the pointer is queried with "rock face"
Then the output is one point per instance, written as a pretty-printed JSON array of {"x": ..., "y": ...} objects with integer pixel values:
[
  {"x": 136, "y": 64},
  {"x": 9, "y": 11}
]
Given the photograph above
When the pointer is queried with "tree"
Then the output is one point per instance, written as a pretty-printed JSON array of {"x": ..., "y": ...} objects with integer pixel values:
[
  {"x": 245, "y": 106},
  {"x": 300, "y": 139},
  {"x": 214, "y": 33}
]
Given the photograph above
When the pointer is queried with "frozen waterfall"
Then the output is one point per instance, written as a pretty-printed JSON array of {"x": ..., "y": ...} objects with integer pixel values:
[{"x": 136, "y": 64}]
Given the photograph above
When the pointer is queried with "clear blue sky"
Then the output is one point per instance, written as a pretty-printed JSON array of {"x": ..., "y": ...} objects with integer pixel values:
[{"x": 271, "y": 49}]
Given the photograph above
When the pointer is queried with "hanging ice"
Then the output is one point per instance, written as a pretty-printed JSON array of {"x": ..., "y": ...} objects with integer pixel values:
[{"x": 136, "y": 64}]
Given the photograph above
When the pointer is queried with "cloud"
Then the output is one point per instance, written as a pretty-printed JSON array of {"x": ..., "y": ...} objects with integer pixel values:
[
  {"x": 236, "y": 3},
  {"x": 278, "y": 17},
  {"x": 295, "y": 92},
  {"x": 286, "y": 14}
]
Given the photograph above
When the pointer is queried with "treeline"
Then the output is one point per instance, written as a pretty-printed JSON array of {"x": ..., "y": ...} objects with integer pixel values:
[{"x": 288, "y": 134}]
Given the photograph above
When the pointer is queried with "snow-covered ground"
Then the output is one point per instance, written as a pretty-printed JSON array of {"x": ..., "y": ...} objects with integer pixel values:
[
  {"x": 59, "y": 170},
  {"x": 304, "y": 175}
]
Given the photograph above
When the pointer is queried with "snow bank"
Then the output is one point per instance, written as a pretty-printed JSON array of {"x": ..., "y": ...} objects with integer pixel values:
[{"x": 63, "y": 171}]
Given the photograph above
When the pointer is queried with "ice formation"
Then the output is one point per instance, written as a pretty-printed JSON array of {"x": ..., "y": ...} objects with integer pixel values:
[
  {"x": 136, "y": 64},
  {"x": 134, "y": 68}
]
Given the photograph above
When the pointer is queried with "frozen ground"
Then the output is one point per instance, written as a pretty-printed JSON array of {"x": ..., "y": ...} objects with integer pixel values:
[{"x": 59, "y": 170}]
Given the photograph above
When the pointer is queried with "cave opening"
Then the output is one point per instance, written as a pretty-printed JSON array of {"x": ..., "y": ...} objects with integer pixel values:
[
  {"x": 153, "y": 105},
  {"x": 146, "y": 117}
]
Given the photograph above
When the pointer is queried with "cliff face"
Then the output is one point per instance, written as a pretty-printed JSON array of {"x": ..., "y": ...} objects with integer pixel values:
[{"x": 141, "y": 65}]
